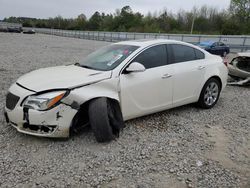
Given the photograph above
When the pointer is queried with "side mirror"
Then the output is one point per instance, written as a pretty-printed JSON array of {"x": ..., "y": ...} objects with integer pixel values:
[{"x": 135, "y": 67}]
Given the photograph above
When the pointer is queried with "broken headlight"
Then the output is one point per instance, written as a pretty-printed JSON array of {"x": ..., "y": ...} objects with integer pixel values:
[{"x": 44, "y": 101}]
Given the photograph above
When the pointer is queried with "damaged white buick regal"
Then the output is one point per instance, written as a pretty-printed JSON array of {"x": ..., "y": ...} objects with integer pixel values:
[{"x": 116, "y": 83}]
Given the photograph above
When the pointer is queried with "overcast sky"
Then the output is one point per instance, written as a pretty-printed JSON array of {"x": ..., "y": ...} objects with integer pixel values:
[{"x": 72, "y": 8}]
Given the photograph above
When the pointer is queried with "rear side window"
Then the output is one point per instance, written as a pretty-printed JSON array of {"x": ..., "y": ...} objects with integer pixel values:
[
  {"x": 153, "y": 57},
  {"x": 221, "y": 44},
  {"x": 182, "y": 53}
]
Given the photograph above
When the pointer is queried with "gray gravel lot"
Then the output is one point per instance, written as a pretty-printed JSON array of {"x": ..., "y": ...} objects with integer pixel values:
[{"x": 182, "y": 147}]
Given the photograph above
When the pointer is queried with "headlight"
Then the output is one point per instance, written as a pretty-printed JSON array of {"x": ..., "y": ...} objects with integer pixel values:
[{"x": 44, "y": 101}]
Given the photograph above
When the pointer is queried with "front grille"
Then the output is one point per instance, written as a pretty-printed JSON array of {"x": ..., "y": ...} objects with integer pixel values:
[{"x": 11, "y": 101}]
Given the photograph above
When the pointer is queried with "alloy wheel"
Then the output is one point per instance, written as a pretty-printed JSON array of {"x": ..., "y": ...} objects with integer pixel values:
[{"x": 211, "y": 93}]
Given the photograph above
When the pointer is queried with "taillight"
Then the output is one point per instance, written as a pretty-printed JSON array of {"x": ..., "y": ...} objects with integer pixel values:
[{"x": 225, "y": 61}]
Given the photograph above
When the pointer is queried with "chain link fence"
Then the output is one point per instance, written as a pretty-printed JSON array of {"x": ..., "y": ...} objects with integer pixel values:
[{"x": 237, "y": 43}]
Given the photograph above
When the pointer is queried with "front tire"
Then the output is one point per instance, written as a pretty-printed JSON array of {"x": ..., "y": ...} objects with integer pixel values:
[
  {"x": 105, "y": 119},
  {"x": 210, "y": 93}
]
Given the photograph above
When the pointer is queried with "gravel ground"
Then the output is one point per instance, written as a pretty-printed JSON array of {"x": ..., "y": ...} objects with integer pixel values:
[{"x": 182, "y": 147}]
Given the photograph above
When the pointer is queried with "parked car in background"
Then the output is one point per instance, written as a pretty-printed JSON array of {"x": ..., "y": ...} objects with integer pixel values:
[
  {"x": 15, "y": 29},
  {"x": 216, "y": 48},
  {"x": 29, "y": 31},
  {"x": 239, "y": 68},
  {"x": 118, "y": 82},
  {"x": 3, "y": 29}
]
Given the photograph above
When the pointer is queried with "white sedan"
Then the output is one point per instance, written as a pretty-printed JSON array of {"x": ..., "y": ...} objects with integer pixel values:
[{"x": 116, "y": 83}]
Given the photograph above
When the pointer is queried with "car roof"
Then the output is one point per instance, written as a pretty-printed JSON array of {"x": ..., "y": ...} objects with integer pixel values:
[
  {"x": 149, "y": 42},
  {"x": 207, "y": 43}
]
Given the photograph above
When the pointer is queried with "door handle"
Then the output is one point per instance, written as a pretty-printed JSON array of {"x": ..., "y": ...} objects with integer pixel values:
[
  {"x": 201, "y": 67},
  {"x": 166, "y": 76}
]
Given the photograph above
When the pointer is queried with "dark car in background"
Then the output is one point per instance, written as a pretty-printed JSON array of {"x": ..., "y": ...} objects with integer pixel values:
[
  {"x": 217, "y": 48},
  {"x": 29, "y": 31},
  {"x": 14, "y": 29}
]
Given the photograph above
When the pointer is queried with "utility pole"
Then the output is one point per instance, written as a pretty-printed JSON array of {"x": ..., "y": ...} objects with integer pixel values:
[{"x": 192, "y": 27}]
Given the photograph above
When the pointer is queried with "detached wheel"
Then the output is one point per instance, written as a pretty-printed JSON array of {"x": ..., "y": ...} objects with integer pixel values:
[
  {"x": 210, "y": 93},
  {"x": 105, "y": 119}
]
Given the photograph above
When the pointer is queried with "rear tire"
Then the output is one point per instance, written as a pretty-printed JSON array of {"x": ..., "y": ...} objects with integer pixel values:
[
  {"x": 210, "y": 93},
  {"x": 105, "y": 119}
]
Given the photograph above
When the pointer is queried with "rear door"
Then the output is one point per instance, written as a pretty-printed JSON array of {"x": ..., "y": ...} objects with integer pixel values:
[
  {"x": 189, "y": 68},
  {"x": 149, "y": 91}
]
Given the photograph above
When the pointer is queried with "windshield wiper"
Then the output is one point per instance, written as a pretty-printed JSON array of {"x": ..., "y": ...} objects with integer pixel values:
[
  {"x": 77, "y": 64},
  {"x": 84, "y": 66}
]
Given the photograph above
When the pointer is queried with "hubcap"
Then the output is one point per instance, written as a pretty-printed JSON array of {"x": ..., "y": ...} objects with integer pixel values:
[{"x": 211, "y": 93}]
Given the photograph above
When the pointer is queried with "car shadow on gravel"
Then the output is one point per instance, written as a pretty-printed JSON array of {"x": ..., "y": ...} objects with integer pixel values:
[
  {"x": 157, "y": 121},
  {"x": 146, "y": 122}
]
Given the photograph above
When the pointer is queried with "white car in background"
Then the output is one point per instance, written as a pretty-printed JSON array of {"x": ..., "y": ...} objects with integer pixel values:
[
  {"x": 239, "y": 68},
  {"x": 116, "y": 83}
]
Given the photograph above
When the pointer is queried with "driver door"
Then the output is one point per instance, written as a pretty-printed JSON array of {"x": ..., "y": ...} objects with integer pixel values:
[{"x": 149, "y": 91}]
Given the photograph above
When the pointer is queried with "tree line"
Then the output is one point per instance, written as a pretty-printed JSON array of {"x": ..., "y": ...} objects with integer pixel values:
[{"x": 206, "y": 20}]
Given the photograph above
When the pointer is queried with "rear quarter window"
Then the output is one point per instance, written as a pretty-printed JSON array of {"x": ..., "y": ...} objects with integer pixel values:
[{"x": 199, "y": 54}]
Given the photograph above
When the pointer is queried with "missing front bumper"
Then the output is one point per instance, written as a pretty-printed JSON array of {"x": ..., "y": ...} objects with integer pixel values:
[
  {"x": 54, "y": 123},
  {"x": 41, "y": 129}
]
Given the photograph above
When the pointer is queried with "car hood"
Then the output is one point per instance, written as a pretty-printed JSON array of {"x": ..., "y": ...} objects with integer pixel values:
[{"x": 61, "y": 77}]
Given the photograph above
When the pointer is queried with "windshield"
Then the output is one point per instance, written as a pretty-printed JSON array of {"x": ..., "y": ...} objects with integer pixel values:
[{"x": 108, "y": 58}]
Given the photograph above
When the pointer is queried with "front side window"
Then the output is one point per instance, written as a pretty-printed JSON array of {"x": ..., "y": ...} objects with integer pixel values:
[
  {"x": 153, "y": 57},
  {"x": 215, "y": 44},
  {"x": 107, "y": 58}
]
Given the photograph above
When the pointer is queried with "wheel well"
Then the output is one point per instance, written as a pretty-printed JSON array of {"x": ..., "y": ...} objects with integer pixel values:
[
  {"x": 217, "y": 78},
  {"x": 82, "y": 117}
]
